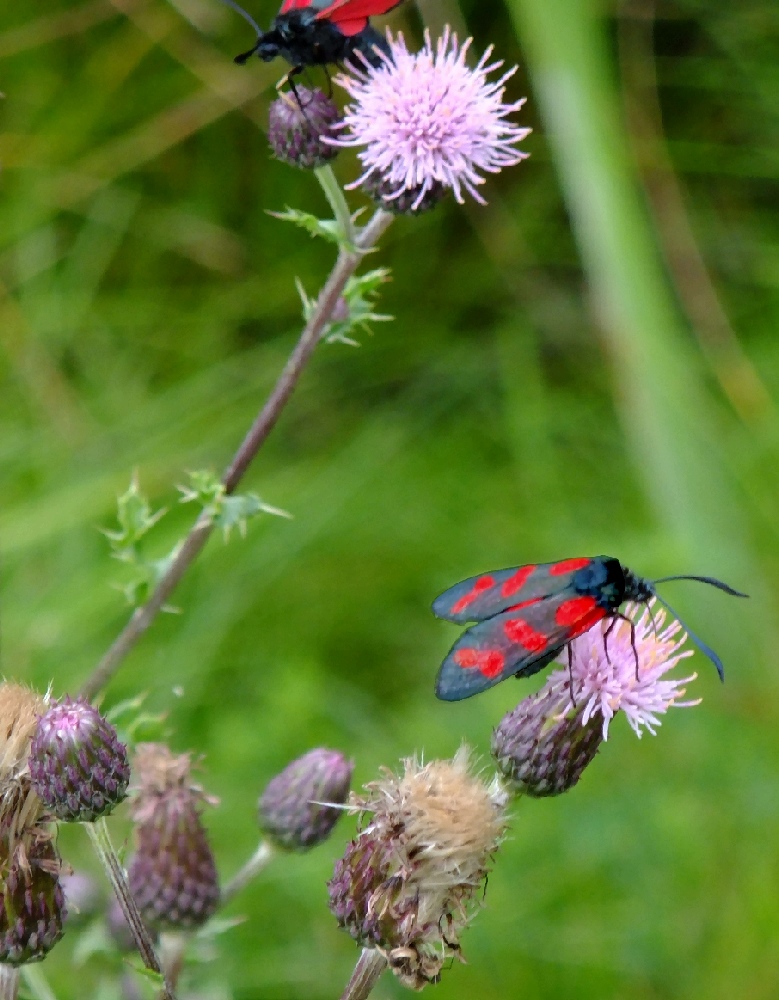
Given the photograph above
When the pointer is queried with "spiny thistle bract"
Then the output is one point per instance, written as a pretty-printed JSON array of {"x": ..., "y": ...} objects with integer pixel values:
[
  {"x": 411, "y": 879},
  {"x": 172, "y": 875},
  {"x": 293, "y": 809},
  {"x": 78, "y": 766}
]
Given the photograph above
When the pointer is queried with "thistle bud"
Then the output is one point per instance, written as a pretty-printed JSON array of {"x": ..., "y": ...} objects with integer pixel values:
[
  {"x": 544, "y": 745},
  {"x": 32, "y": 904},
  {"x": 172, "y": 874},
  {"x": 78, "y": 766},
  {"x": 411, "y": 880},
  {"x": 293, "y": 809},
  {"x": 298, "y": 126}
]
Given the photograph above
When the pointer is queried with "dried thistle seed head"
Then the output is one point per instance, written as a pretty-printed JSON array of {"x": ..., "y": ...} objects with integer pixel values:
[
  {"x": 172, "y": 874},
  {"x": 292, "y": 810},
  {"x": 78, "y": 766},
  {"x": 410, "y": 881},
  {"x": 20, "y": 807},
  {"x": 32, "y": 904},
  {"x": 298, "y": 128},
  {"x": 543, "y": 745}
]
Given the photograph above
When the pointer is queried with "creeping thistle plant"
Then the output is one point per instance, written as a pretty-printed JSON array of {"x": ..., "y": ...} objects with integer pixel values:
[{"x": 424, "y": 124}]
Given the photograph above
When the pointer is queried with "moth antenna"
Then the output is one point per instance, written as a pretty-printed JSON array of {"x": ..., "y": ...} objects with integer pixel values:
[
  {"x": 712, "y": 582},
  {"x": 244, "y": 14},
  {"x": 706, "y": 650}
]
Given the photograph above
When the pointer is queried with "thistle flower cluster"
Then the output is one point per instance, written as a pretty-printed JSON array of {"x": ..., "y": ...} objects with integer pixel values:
[
  {"x": 423, "y": 123},
  {"x": 545, "y": 743},
  {"x": 172, "y": 874},
  {"x": 412, "y": 877}
]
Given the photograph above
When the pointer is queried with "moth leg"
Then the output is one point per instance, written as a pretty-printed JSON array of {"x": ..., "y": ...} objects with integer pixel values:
[
  {"x": 615, "y": 615},
  {"x": 330, "y": 80},
  {"x": 570, "y": 674},
  {"x": 607, "y": 633},
  {"x": 290, "y": 79},
  {"x": 633, "y": 642}
]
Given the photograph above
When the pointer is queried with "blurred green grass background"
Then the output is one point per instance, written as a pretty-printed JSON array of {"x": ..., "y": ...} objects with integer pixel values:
[{"x": 589, "y": 364}]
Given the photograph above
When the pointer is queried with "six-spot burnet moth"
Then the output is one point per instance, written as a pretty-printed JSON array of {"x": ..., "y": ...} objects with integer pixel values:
[
  {"x": 318, "y": 32},
  {"x": 527, "y": 615}
]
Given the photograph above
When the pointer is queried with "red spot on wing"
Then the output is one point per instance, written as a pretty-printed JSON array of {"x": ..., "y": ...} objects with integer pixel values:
[
  {"x": 347, "y": 14},
  {"x": 489, "y": 662},
  {"x": 517, "y": 581},
  {"x": 518, "y": 630},
  {"x": 482, "y": 584},
  {"x": 569, "y": 566},
  {"x": 571, "y": 612},
  {"x": 525, "y": 604},
  {"x": 351, "y": 27},
  {"x": 585, "y": 624}
]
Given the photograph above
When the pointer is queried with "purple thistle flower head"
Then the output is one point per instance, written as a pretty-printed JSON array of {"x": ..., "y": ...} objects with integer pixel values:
[
  {"x": 544, "y": 745},
  {"x": 78, "y": 766},
  {"x": 605, "y": 684},
  {"x": 426, "y": 120}
]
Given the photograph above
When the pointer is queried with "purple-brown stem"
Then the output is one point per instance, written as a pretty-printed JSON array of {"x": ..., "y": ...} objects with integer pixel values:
[
  {"x": 98, "y": 834},
  {"x": 367, "y": 973},
  {"x": 142, "y": 617}
]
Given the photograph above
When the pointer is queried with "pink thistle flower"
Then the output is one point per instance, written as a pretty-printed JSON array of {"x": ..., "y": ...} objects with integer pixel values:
[
  {"x": 425, "y": 120},
  {"x": 604, "y": 685}
]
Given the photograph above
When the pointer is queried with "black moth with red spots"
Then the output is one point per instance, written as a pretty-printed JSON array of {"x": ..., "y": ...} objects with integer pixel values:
[
  {"x": 527, "y": 615},
  {"x": 319, "y": 32}
]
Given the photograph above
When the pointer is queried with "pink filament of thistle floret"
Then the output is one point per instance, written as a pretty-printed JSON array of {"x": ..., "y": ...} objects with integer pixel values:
[
  {"x": 607, "y": 684},
  {"x": 425, "y": 118}
]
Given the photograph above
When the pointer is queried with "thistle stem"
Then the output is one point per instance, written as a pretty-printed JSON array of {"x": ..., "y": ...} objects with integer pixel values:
[
  {"x": 344, "y": 267},
  {"x": 367, "y": 973},
  {"x": 247, "y": 873},
  {"x": 98, "y": 834},
  {"x": 9, "y": 982},
  {"x": 335, "y": 196}
]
